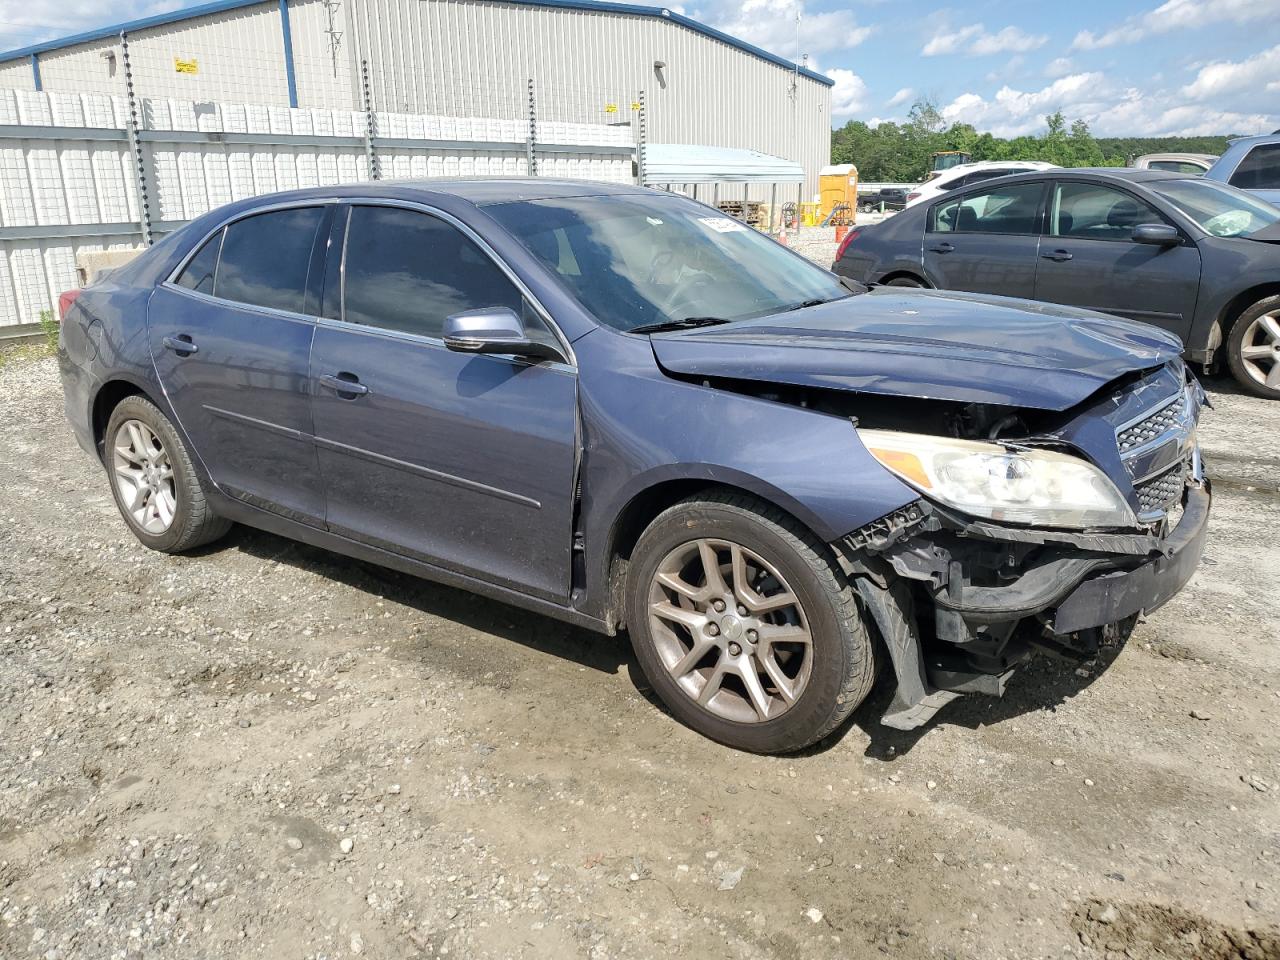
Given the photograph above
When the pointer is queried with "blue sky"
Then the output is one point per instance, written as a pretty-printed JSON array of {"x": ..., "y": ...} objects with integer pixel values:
[{"x": 1129, "y": 68}]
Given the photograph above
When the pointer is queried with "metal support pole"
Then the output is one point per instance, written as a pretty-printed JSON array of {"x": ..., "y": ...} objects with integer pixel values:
[
  {"x": 715, "y": 194},
  {"x": 773, "y": 205},
  {"x": 370, "y": 123},
  {"x": 799, "y": 205},
  {"x": 642, "y": 133},
  {"x": 135, "y": 144},
  {"x": 531, "y": 154}
]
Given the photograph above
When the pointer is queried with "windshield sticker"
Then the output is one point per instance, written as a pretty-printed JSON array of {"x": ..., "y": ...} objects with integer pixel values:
[
  {"x": 723, "y": 224},
  {"x": 654, "y": 220}
]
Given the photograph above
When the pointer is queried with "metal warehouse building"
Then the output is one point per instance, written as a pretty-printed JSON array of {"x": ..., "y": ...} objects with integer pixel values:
[{"x": 577, "y": 61}]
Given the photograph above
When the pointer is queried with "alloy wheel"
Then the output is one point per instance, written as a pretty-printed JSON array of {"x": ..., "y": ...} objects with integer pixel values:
[
  {"x": 1260, "y": 350},
  {"x": 730, "y": 631},
  {"x": 143, "y": 475}
]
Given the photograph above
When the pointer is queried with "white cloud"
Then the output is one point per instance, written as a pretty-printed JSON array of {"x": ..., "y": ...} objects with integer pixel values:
[
  {"x": 902, "y": 96},
  {"x": 1109, "y": 109},
  {"x": 976, "y": 41},
  {"x": 1227, "y": 76},
  {"x": 785, "y": 27},
  {"x": 849, "y": 95},
  {"x": 1058, "y": 67},
  {"x": 1177, "y": 15},
  {"x": 23, "y": 23}
]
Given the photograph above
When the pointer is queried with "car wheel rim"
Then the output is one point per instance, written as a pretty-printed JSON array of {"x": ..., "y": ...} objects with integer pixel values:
[
  {"x": 1260, "y": 350},
  {"x": 143, "y": 476},
  {"x": 730, "y": 631}
]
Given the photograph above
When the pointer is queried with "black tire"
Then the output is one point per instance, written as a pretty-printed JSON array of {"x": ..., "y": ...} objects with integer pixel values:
[
  {"x": 843, "y": 665},
  {"x": 904, "y": 282},
  {"x": 194, "y": 523},
  {"x": 1244, "y": 326}
]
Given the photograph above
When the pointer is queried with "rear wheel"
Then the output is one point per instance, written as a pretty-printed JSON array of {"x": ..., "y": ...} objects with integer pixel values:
[
  {"x": 745, "y": 626},
  {"x": 904, "y": 282},
  {"x": 1253, "y": 349},
  {"x": 153, "y": 481}
]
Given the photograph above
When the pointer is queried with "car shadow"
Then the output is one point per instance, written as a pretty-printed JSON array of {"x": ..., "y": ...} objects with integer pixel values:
[
  {"x": 532, "y": 630},
  {"x": 1042, "y": 683}
]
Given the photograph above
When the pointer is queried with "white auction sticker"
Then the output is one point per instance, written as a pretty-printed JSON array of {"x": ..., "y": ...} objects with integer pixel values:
[{"x": 723, "y": 224}]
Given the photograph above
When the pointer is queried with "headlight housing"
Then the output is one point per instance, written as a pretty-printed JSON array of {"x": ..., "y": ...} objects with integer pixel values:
[{"x": 1043, "y": 488}]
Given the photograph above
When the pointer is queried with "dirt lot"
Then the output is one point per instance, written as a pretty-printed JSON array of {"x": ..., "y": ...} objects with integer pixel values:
[{"x": 264, "y": 750}]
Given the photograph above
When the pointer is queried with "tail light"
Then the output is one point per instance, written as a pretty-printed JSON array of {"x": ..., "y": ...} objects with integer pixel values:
[
  {"x": 65, "y": 301},
  {"x": 913, "y": 196},
  {"x": 844, "y": 244}
]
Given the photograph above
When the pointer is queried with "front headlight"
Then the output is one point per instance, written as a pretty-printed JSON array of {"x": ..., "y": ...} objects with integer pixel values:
[{"x": 1040, "y": 487}]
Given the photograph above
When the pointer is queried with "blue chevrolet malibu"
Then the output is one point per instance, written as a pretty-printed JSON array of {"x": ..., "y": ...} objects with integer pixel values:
[{"x": 626, "y": 410}]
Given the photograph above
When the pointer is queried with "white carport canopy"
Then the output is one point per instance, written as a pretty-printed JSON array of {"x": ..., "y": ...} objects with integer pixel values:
[{"x": 693, "y": 163}]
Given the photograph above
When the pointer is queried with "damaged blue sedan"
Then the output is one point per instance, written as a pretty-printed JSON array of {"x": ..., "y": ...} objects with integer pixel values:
[{"x": 626, "y": 410}]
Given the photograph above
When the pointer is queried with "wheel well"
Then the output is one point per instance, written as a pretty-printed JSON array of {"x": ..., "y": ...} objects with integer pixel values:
[
  {"x": 1242, "y": 302},
  {"x": 108, "y": 398},
  {"x": 904, "y": 274},
  {"x": 636, "y": 517}
]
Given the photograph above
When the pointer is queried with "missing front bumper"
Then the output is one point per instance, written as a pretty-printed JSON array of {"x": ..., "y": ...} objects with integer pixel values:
[{"x": 960, "y": 605}]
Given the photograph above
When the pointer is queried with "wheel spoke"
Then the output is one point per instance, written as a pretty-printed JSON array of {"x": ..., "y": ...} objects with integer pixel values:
[
  {"x": 1270, "y": 325},
  {"x": 674, "y": 582},
  {"x": 692, "y": 619},
  {"x": 691, "y": 659},
  {"x": 1257, "y": 352},
  {"x": 711, "y": 568},
  {"x": 1273, "y": 376},
  {"x": 785, "y": 633},
  {"x": 139, "y": 445},
  {"x": 780, "y": 679},
  {"x": 755, "y": 690},
  {"x": 713, "y": 684}
]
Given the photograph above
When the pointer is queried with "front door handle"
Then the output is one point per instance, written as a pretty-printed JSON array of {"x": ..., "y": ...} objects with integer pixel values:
[
  {"x": 345, "y": 385},
  {"x": 181, "y": 345},
  {"x": 943, "y": 247},
  {"x": 1060, "y": 256}
]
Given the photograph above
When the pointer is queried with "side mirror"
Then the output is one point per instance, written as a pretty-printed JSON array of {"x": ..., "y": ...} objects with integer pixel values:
[
  {"x": 1157, "y": 234},
  {"x": 494, "y": 330}
]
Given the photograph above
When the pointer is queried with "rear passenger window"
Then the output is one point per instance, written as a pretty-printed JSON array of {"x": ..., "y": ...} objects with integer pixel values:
[
  {"x": 1260, "y": 169},
  {"x": 407, "y": 271},
  {"x": 265, "y": 259},
  {"x": 1014, "y": 209},
  {"x": 198, "y": 274}
]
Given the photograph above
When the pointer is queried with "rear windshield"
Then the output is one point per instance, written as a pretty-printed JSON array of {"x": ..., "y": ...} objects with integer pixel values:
[
  {"x": 1220, "y": 210},
  {"x": 636, "y": 260}
]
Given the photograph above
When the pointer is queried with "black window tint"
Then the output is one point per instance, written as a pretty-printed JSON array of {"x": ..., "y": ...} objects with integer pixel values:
[
  {"x": 198, "y": 273},
  {"x": 265, "y": 259},
  {"x": 408, "y": 271},
  {"x": 1260, "y": 169},
  {"x": 1093, "y": 212},
  {"x": 1012, "y": 209}
]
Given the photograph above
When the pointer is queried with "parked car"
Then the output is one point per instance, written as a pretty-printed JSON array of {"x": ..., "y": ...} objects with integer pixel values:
[
  {"x": 967, "y": 174},
  {"x": 621, "y": 408},
  {"x": 1253, "y": 164},
  {"x": 886, "y": 198},
  {"x": 1191, "y": 163},
  {"x": 1198, "y": 258}
]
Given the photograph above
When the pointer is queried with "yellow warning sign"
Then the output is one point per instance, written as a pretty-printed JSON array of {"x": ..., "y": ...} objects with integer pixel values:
[
  {"x": 610, "y": 108},
  {"x": 185, "y": 66},
  {"x": 635, "y": 104}
]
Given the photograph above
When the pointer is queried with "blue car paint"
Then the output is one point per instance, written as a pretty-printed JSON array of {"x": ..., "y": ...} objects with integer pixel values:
[
  {"x": 638, "y": 426},
  {"x": 1236, "y": 151}
]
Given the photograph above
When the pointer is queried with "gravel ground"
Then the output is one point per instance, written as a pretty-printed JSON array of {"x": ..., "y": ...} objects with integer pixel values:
[{"x": 265, "y": 750}]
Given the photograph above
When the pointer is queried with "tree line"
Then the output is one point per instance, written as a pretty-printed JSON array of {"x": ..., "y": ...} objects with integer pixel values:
[{"x": 903, "y": 152}]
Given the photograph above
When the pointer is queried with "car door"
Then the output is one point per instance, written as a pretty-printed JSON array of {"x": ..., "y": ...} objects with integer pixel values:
[
  {"x": 1088, "y": 258},
  {"x": 461, "y": 460},
  {"x": 985, "y": 241},
  {"x": 230, "y": 336}
]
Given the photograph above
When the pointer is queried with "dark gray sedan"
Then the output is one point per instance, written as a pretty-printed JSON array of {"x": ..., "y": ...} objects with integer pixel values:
[{"x": 1198, "y": 258}]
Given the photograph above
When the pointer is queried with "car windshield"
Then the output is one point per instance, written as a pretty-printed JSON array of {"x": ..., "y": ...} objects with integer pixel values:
[
  {"x": 640, "y": 260},
  {"x": 1219, "y": 209}
]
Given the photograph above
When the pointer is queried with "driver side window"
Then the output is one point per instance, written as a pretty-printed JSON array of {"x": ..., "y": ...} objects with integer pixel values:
[{"x": 1089, "y": 211}]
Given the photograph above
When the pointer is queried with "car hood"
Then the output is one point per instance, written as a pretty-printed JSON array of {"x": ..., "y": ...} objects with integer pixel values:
[{"x": 939, "y": 345}]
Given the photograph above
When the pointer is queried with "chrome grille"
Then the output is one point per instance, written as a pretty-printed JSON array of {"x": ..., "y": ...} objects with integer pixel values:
[
  {"x": 1161, "y": 492},
  {"x": 1144, "y": 431}
]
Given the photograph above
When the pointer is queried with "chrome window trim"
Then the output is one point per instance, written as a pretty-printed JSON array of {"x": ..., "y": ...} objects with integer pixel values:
[
  {"x": 250, "y": 307},
  {"x": 543, "y": 314}
]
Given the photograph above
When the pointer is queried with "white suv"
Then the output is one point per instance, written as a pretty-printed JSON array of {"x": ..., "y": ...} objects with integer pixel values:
[{"x": 964, "y": 174}]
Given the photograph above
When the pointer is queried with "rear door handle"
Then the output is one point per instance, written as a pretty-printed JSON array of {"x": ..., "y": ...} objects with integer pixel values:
[
  {"x": 346, "y": 385},
  {"x": 1061, "y": 256},
  {"x": 181, "y": 345},
  {"x": 943, "y": 247}
]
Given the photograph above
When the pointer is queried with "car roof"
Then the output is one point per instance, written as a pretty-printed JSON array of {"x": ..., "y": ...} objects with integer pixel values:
[
  {"x": 475, "y": 190},
  {"x": 1131, "y": 174},
  {"x": 1254, "y": 140}
]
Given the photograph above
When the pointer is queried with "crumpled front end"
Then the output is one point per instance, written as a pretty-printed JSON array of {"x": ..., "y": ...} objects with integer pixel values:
[{"x": 961, "y": 602}]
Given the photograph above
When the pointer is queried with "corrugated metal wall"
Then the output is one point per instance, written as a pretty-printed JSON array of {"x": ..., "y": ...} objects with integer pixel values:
[{"x": 471, "y": 58}]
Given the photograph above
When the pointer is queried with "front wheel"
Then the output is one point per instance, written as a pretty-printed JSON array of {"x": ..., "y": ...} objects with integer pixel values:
[
  {"x": 1253, "y": 349},
  {"x": 154, "y": 482},
  {"x": 745, "y": 626}
]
